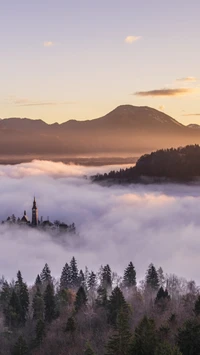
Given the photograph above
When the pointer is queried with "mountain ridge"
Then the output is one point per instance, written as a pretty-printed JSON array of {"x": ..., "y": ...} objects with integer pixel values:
[{"x": 126, "y": 129}]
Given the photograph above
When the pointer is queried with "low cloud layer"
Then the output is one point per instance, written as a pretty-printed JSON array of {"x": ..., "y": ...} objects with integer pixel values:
[
  {"x": 154, "y": 223},
  {"x": 165, "y": 92}
]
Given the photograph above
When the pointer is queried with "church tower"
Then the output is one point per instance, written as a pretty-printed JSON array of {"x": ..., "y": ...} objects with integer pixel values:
[{"x": 34, "y": 214}]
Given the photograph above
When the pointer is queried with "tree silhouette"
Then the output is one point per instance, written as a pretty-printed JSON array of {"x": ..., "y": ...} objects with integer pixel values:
[
  {"x": 129, "y": 279},
  {"x": 81, "y": 299}
]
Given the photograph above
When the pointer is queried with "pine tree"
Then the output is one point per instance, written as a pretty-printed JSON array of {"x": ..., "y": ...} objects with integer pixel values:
[
  {"x": 45, "y": 275},
  {"x": 74, "y": 273},
  {"x": 81, "y": 279},
  {"x": 23, "y": 296},
  {"x": 167, "y": 349},
  {"x": 92, "y": 281},
  {"x": 70, "y": 326},
  {"x": 197, "y": 307},
  {"x": 5, "y": 296},
  {"x": 106, "y": 277},
  {"x": 81, "y": 299},
  {"x": 38, "y": 305},
  {"x": 162, "y": 295},
  {"x": 119, "y": 342},
  {"x": 38, "y": 281},
  {"x": 20, "y": 347},
  {"x": 49, "y": 303},
  {"x": 152, "y": 277},
  {"x": 40, "y": 331},
  {"x": 102, "y": 299},
  {"x": 129, "y": 279},
  {"x": 116, "y": 303},
  {"x": 189, "y": 338},
  {"x": 66, "y": 279},
  {"x": 89, "y": 350},
  {"x": 14, "y": 310},
  {"x": 145, "y": 339}
]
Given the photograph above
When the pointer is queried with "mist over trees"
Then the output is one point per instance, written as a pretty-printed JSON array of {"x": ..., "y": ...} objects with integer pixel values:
[
  {"x": 91, "y": 313},
  {"x": 180, "y": 165}
]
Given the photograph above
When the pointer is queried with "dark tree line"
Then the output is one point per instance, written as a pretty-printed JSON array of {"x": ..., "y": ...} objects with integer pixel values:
[
  {"x": 181, "y": 164},
  {"x": 100, "y": 313}
]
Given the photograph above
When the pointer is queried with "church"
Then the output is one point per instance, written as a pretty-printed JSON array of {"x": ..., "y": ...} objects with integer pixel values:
[{"x": 39, "y": 223}]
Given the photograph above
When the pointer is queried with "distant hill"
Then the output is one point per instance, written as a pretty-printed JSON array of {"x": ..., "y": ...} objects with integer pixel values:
[
  {"x": 176, "y": 165},
  {"x": 125, "y": 130}
]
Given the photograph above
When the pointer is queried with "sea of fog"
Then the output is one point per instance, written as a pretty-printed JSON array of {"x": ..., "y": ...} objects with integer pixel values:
[{"x": 118, "y": 224}]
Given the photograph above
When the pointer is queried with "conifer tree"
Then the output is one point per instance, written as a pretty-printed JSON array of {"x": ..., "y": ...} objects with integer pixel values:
[
  {"x": 66, "y": 279},
  {"x": 119, "y": 342},
  {"x": 14, "y": 310},
  {"x": 5, "y": 296},
  {"x": 92, "y": 281},
  {"x": 89, "y": 350},
  {"x": 40, "y": 331},
  {"x": 116, "y": 303},
  {"x": 74, "y": 273},
  {"x": 152, "y": 278},
  {"x": 189, "y": 338},
  {"x": 81, "y": 279},
  {"x": 129, "y": 279},
  {"x": 106, "y": 281},
  {"x": 70, "y": 326},
  {"x": 20, "y": 347},
  {"x": 38, "y": 281},
  {"x": 23, "y": 296},
  {"x": 45, "y": 275},
  {"x": 161, "y": 295},
  {"x": 81, "y": 299},
  {"x": 197, "y": 307},
  {"x": 38, "y": 305},
  {"x": 49, "y": 303},
  {"x": 167, "y": 349},
  {"x": 102, "y": 299},
  {"x": 145, "y": 339}
]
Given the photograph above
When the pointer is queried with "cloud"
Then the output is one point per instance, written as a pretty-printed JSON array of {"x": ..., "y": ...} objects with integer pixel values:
[
  {"x": 161, "y": 107},
  {"x": 27, "y": 102},
  {"x": 48, "y": 44},
  {"x": 191, "y": 114},
  {"x": 187, "y": 79},
  {"x": 131, "y": 39},
  {"x": 151, "y": 223},
  {"x": 166, "y": 92}
]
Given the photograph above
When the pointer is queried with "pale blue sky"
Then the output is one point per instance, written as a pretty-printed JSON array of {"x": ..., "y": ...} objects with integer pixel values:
[{"x": 86, "y": 68}]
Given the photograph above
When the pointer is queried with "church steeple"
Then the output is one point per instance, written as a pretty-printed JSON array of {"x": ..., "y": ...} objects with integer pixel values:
[{"x": 34, "y": 213}]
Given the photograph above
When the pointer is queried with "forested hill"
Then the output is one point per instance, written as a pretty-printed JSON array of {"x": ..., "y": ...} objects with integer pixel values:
[{"x": 180, "y": 165}]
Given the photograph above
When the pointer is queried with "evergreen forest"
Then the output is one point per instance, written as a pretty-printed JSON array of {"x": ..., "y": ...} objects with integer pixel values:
[
  {"x": 100, "y": 313},
  {"x": 174, "y": 165}
]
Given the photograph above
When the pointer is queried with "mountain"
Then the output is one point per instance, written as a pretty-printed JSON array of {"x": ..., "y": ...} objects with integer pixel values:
[{"x": 125, "y": 130}]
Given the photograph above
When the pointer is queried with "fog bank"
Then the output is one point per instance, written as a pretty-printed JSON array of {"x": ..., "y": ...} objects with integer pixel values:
[{"x": 152, "y": 223}]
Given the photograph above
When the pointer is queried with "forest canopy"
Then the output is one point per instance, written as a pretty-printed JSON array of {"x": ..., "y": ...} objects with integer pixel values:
[
  {"x": 178, "y": 165},
  {"x": 102, "y": 313}
]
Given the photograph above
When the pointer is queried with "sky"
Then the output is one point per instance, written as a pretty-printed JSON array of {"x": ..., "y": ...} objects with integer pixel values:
[
  {"x": 77, "y": 59},
  {"x": 115, "y": 225}
]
